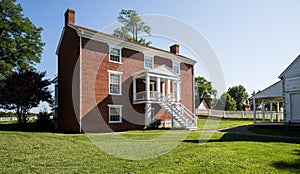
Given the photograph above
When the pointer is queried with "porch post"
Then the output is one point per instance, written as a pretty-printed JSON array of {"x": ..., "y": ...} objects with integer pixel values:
[
  {"x": 148, "y": 114},
  {"x": 254, "y": 111},
  {"x": 168, "y": 88},
  {"x": 277, "y": 115},
  {"x": 147, "y": 87},
  {"x": 178, "y": 90},
  {"x": 134, "y": 89},
  {"x": 163, "y": 89},
  {"x": 271, "y": 109},
  {"x": 158, "y": 87},
  {"x": 263, "y": 109}
]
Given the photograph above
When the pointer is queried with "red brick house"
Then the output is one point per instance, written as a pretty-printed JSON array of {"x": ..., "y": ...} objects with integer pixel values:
[{"x": 109, "y": 84}]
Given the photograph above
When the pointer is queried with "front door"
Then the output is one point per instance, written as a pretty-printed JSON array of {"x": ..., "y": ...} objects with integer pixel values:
[{"x": 295, "y": 106}]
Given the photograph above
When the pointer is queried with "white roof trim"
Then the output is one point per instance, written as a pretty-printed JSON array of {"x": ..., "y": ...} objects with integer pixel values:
[
  {"x": 160, "y": 71},
  {"x": 60, "y": 40},
  {"x": 105, "y": 38},
  {"x": 289, "y": 67}
]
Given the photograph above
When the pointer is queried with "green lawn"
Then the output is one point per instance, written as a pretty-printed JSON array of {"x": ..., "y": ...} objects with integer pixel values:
[
  {"x": 210, "y": 123},
  {"x": 34, "y": 152}
]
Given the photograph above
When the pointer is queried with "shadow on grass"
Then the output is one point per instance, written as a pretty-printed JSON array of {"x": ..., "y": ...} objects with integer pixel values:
[
  {"x": 28, "y": 127},
  {"x": 231, "y": 136},
  {"x": 295, "y": 165}
]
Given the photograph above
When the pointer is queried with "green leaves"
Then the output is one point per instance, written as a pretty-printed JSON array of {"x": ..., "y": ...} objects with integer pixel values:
[
  {"x": 21, "y": 45},
  {"x": 22, "y": 91},
  {"x": 132, "y": 27},
  {"x": 205, "y": 89}
]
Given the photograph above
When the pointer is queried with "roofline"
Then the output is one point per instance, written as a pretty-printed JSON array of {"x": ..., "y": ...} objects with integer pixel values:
[
  {"x": 106, "y": 38},
  {"x": 265, "y": 89},
  {"x": 282, "y": 74}
]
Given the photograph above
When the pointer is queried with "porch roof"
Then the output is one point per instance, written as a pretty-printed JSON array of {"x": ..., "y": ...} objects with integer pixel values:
[
  {"x": 160, "y": 71},
  {"x": 272, "y": 92}
]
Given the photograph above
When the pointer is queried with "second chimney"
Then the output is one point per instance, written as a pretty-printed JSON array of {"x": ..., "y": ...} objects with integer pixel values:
[
  {"x": 174, "y": 49},
  {"x": 70, "y": 17}
]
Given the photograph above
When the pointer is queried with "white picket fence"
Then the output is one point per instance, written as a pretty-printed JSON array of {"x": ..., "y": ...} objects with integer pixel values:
[{"x": 260, "y": 115}]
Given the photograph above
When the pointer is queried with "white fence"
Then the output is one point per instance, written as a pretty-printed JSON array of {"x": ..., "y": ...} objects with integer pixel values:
[
  {"x": 260, "y": 115},
  {"x": 15, "y": 118}
]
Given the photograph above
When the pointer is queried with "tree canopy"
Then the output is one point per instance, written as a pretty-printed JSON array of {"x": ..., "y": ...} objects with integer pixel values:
[
  {"x": 132, "y": 27},
  {"x": 21, "y": 45},
  {"x": 22, "y": 91},
  {"x": 230, "y": 104},
  {"x": 239, "y": 94},
  {"x": 204, "y": 89}
]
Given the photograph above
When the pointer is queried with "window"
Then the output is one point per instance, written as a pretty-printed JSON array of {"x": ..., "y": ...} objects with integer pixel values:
[
  {"x": 115, "y": 113},
  {"x": 115, "y": 82},
  {"x": 176, "y": 67},
  {"x": 115, "y": 55},
  {"x": 148, "y": 62}
]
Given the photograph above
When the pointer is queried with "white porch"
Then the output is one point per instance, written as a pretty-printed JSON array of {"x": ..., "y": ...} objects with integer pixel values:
[
  {"x": 161, "y": 85},
  {"x": 271, "y": 95},
  {"x": 151, "y": 85}
]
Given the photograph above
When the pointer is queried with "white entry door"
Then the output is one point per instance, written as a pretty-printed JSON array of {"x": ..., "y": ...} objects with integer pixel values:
[{"x": 295, "y": 106}]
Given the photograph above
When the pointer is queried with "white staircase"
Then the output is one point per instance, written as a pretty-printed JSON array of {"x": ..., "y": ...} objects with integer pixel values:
[{"x": 179, "y": 112}]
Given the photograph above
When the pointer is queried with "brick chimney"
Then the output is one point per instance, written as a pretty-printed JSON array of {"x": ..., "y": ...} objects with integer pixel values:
[
  {"x": 70, "y": 17},
  {"x": 174, "y": 49}
]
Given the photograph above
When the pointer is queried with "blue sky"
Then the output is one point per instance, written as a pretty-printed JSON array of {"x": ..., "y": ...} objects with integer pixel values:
[{"x": 254, "y": 40}]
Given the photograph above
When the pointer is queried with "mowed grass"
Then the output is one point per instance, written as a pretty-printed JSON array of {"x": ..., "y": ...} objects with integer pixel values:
[
  {"x": 211, "y": 123},
  {"x": 34, "y": 152}
]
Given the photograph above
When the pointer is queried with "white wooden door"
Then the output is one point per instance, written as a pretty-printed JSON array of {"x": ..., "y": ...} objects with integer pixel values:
[{"x": 295, "y": 106}]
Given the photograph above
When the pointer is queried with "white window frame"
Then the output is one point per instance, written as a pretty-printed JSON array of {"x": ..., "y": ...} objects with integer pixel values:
[
  {"x": 116, "y": 73},
  {"x": 173, "y": 63},
  {"x": 152, "y": 60},
  {"x": 120, "y": 54},
  {"x": 120, "y": 112}
]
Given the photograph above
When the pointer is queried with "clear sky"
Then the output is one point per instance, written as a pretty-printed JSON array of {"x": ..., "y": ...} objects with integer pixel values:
[{"x": 254, "y": 40}]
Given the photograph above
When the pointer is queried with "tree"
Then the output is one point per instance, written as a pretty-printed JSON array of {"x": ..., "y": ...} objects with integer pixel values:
[
  {"x": 205, "y": 90},
  {"x": 239, "y": 94},
  {"x": 22, "y": 91},
  {"x": 21, "y": 45},
  {"x": 230, "y": 103},
  {"x": 132, "y": 27}
]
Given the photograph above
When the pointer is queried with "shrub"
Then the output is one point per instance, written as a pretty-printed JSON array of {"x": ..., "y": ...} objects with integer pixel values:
[{"x": 155, "y": 124}]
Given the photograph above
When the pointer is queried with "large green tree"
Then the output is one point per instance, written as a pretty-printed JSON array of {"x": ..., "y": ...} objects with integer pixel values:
[
  {"x": 204, "y": 89},
  {"x": 132, "y": 27},
  {"x": 22, "y": 91},
  {"x": 239, "y": 94},
  {"x": 21, "y": 45},
  {"x": 230, "y": 104}
]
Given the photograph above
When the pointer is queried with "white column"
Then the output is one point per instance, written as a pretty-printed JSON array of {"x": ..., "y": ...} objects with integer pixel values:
[
  {"x": 271, "y": 109},
  {"x": 263, "y": 110},
  {"x": 278, "y": 110},
  {"x": 254, "y": 110},
  {"x": 178, "y": 90},
  {"x": 134, "y": 89},
  {"x": 163, "y": 89},
  {"x": 168, "y": 88},
  {"x": 147, "y": 87},
  {"x": 148, "y": 114},
  {"x": 158, "y": 87}
]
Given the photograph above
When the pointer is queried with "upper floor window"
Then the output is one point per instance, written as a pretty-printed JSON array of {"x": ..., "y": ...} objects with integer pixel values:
[
  {"x": 148, "y": 62},
  {"x": 115, "y": 55},
  {"x": 176, "y": 67},
  {"x": 115, "y": 82}
]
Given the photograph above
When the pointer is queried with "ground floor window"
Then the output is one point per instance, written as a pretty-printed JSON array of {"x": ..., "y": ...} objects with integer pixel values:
[{"x": 115, "y": 113}]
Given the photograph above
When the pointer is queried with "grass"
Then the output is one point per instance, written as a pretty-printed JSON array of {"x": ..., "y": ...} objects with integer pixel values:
[
  {"x": 36, "y": 152},
  {"x": 210, "y": 123}
]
